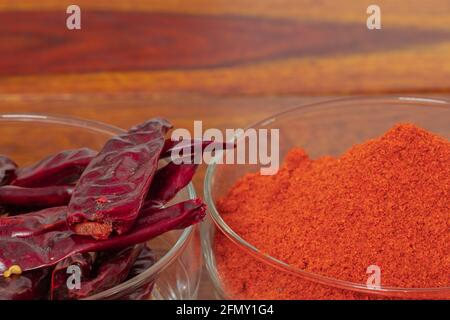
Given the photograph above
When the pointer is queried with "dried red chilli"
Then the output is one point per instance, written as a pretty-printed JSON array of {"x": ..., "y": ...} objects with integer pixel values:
[
  {"x": 113, "y": 187},
  {"x": 84, "y": 262},
  {"x": 7, "y": 170},
  {"x": 54, "y": 219},
  {"x": 43, "y": 197},
  {"x": 44, "y": 236},
  {"x": 189, "y": 147},
  {"x": 110, "y": 269},
  {"x": 173, "y": 177},
  {"x": 29, "y": 285},
  {"x": 49, "y": 248},
  {"x": 168, "y": 181},
  {"x": 175, "y": 146},
  {"x": 33, "y": 224},
  {"x": 178, "y": 216},
  {"x": 61, "y": 168},
  {"x": 145, "y": 260}
]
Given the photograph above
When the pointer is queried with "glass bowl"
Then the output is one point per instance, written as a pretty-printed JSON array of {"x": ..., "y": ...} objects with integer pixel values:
[
  {"x": 327, "y": 128},
  {"x": 27, "y": 138}
]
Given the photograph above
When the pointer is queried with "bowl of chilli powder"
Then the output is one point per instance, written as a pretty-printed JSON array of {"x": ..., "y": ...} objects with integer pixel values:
[{"x": 359, "y": 208}]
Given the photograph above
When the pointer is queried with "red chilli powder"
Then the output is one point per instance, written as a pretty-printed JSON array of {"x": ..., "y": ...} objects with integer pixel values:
[{"x": 385, "y": 202}]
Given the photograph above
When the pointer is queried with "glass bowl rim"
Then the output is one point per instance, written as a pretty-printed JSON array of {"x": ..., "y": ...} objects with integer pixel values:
[
  {"x": 100, "y": 127},
  {"x": 281, "y": 265}
]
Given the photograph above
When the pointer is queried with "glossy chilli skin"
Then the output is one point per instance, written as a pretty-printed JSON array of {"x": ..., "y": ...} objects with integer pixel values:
[
  {"x": 48, "y": 248},
  {"x": 43, "y": 197},
  {"x": 58, "y": 287},
  {"x": 63, "y": 167},
  {"x": 113, "y": 187},
  {"x": 168, "y": 181},
  {"x": 144, "y": 261},
  {"x": 30, "y": 285},
  {"x": 98, "y": 211},
  {"x": 37, "y": 241},
  {"x": 34, "y": 223},
  {"x": 105, "y": 270}
]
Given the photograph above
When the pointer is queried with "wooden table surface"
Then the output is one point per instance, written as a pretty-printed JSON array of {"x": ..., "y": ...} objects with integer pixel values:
[{"x": 228, "y": 63}]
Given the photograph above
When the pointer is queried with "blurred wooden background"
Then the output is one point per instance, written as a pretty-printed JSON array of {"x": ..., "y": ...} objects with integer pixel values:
[
  {"x": 251, "y": 47},
  {"x": 228, "y": 63}
]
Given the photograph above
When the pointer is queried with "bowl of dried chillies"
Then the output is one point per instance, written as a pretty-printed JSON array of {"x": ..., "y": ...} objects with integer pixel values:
[
  {"x": 363, "y": 187},
  {"x": 90, "y": 211}
]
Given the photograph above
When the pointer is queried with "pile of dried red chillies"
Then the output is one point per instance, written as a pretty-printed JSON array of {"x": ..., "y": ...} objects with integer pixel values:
[{"x": 92, "y": 210}]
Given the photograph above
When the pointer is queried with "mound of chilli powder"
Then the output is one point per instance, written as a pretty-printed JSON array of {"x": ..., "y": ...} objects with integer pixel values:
[{"x": 385, "y": 202}]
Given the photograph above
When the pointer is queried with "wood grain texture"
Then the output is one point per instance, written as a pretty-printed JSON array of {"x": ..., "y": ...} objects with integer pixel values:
[
  {"x": 272, "y": 47},
  {"x": 147, "y": 41}
]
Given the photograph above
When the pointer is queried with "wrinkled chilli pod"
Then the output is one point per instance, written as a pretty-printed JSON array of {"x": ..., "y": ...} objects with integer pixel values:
[
  {"x": 35, "y": 223},
  {"x": 111, "y": 268},
  {"x": 184, "y": 148},
  {"x": 145, "y": 260},
  {"x": 60, "y": 284},
  {"x": 42, "y": 197},
  {"x": 49, "y": 248},
  {"x": 61, "y": 168},
  {"x": 30, "y": 285},
  {"x": 168, "y": 181},
  {"x": 112, "y": 189}
]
